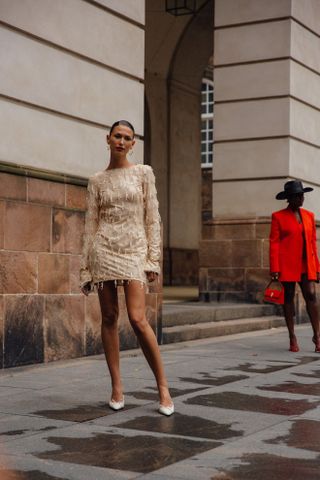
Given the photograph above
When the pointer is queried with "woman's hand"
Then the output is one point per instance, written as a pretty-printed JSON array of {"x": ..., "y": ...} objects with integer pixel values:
[
  {"x": 275, "y": 275},
  {"x": 151, "y": 276}
]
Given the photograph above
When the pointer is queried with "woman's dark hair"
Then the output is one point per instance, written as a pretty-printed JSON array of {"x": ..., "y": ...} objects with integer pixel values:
[{"x": 122, "y": 122}]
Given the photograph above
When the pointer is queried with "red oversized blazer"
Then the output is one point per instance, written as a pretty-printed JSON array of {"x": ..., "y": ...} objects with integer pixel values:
[{"x": 286, "y": 245}]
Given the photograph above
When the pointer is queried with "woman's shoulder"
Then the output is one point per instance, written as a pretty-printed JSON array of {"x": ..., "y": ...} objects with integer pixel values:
[
  {"x": 144, "y": 167},
  {"x": 96, "y": 177},
  {"x": 307, "y": 212},
  {"x": 280, "y": 213},
  {"x": 146, "y": 171}
]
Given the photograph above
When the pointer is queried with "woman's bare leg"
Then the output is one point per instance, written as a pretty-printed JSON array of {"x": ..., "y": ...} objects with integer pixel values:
[
  {"x": 288, "y": 309},
  {"x": 108, "y": 298},
  {"x": 135, "y": 300},
  {"x": 309, "y": 294}
]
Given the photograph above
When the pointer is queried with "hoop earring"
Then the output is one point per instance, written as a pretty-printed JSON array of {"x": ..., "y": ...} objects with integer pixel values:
[
  {"x": 108, "y": 147},
  {"x": 131, "y": 151}
]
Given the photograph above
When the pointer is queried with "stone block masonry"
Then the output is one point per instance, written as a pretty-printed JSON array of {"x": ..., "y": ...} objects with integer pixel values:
[
  {"x": 43, "y": 315},
  {"x": 234, "y": 261},
  {"x": 234, "y": 265}
]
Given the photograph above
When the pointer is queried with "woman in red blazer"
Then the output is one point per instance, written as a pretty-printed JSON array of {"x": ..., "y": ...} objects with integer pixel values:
[{"x": 294, "y": 258}]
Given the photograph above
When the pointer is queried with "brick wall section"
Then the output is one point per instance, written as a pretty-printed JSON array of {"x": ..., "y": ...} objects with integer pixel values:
[
  {"x": 234, "y": 260},
  {"x": 43, "y": 315}
]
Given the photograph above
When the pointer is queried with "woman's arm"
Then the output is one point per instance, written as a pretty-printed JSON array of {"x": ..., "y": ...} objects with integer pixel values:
[
  {"x": 91, "y": 225},
  {"x": 152, "y": 222},
  {"x": 274, "y": 239}
]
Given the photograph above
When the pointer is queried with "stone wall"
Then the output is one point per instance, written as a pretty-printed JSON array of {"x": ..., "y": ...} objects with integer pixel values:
[
  {"x": 234, "y": 260},
  {"x": 181, "y": 266},
  {"x": 43, "y": 315}
]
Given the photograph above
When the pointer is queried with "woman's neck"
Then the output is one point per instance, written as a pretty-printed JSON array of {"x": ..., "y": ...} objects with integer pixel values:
[
  {"x": 293, "y": 208},
  {"x": 118, "y": 162}
]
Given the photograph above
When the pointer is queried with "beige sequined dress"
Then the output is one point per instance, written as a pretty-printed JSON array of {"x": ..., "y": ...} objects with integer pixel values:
[{"x": 122, "y": 227}]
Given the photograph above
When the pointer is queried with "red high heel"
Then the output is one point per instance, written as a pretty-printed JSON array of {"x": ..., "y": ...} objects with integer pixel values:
[
  {"x": 294, "y": 347},
  {"x": 316, "y": 341}
]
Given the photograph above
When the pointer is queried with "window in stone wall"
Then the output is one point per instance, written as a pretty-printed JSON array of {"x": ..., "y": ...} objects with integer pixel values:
[{"x": 206, "y": 123}]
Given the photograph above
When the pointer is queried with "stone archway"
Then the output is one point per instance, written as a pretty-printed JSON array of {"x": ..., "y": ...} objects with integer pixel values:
[{"x": 177, "y": 52}]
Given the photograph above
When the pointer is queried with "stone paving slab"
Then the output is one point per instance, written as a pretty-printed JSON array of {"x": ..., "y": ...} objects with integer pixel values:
[{"x": 246, "y": 409}]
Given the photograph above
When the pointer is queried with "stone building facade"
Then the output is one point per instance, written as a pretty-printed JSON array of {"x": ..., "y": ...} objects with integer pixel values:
[
  {"x": 68, "y": 70},
  {"x": 267, "y": 126}
]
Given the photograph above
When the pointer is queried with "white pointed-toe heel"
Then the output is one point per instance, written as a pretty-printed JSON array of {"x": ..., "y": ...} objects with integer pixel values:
[
  {"x": 167, "y": 411},
  {"x": 116, "y": 405}
]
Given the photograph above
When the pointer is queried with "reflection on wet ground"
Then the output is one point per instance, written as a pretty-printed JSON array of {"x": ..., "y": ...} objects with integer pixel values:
[
  {"x": 272, "y": 467},
  {"x": 185, "y": 425},
  {"x": 154, "y": 396},
  {"x": 294, "y": 387},
  {"x": 81, "y": 413},
  {"x": 303, "y": 434},
  {"x": 253, "y": 403},
  {"x": 207, "y": 379},
  {"x": 141, "y": 453},
  {"x": 27, "y": 475}
]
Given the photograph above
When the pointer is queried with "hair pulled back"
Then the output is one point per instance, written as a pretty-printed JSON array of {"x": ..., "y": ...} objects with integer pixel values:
[{"x": 122, "y": 122}]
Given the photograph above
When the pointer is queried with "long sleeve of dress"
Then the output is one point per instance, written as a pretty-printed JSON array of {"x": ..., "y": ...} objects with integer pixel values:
[
  {"x": 274, "y": 245},
  {"x": 314, "y": 244},
  {"x": 91, "y": 225},
  {"x": 152, "y": 223}
]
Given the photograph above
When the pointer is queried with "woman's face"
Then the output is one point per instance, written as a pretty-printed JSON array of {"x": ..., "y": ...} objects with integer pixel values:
[
  {"x": 296, "y": 200},
  {"x": 121, "y": 140}
]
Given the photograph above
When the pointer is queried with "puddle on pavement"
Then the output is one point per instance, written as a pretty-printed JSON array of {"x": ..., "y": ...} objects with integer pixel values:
[
  {"x": 14, "y": 432},
  {"x": 184, "y": 425},
  {"x": 140, "y": 453},
  {"x": 27, "y": 475},
  {"x": 154, "y": 396},
  {"x": 306, "y": 360},
  {"x": 315, "y": 374},
  {"x": 252, "y": 403},
  {"x": 266, "y": 467},
  {"x": 303, "y": 434},
  {"x": 81, "y": 413},
  {"x": 207, "y": 379},
  {"x": 294, "y": 387},
  {"x": 26, "y": 430},
  {"x": 251, "y": 367}
]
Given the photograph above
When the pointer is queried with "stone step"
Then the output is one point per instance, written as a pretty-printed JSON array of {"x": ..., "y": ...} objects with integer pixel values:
[
  {"x": 198, "y": 312},
  {"x": 183, "y": 333}
]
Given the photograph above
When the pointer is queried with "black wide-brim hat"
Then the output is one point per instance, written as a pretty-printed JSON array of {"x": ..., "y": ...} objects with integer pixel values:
[{"x": 293, "y": 187}]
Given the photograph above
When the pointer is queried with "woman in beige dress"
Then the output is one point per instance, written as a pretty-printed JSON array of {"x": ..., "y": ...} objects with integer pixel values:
[{"x": 122, "y": 246}]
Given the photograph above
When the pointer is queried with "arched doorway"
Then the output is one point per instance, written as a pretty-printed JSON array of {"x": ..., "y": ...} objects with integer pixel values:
[{"x": 177, "y": 53}]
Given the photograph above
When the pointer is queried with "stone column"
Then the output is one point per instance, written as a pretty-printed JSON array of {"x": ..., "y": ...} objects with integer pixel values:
[{"x": 267, "y": 125}]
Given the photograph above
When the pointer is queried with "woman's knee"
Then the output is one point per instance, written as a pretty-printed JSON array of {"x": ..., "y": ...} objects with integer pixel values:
[
  {"x": 138, "y": 323},
  {"x": 310, "y": 296}
]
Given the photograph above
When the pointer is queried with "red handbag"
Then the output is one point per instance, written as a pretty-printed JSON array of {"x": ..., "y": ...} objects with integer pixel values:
[{"x": 274, "y": 294}]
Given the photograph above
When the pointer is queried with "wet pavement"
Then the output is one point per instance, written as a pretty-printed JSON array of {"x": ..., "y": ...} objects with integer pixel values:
[{"x": 246, "y": 408}]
